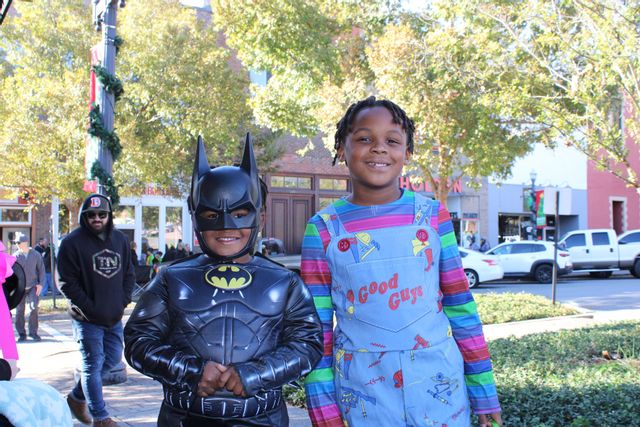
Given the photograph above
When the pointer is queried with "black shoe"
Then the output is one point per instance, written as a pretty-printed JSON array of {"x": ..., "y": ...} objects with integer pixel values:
[
  {"x": 22, "y": 338},
  {"x": 35, "y": 337}
]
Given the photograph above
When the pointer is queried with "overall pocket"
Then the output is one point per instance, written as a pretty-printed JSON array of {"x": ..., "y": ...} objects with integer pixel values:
[{"x": 389, "y": 294}]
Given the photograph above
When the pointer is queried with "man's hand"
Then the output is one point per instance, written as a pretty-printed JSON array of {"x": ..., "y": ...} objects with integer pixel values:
[
  {"x": 38, "y": 290},
  {"x": 485, "y": 421},
  {"x": 231, "y": 381},
  {"x": 210, "y": 380}
]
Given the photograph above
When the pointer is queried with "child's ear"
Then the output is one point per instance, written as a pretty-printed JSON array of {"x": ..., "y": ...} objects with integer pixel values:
[
  {"x": 407, "y": 158},
  {"x": 340, "y": 153}
]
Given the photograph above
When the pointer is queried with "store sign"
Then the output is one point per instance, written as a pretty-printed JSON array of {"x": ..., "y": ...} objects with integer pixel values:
[{"x": 421, "y": 184}]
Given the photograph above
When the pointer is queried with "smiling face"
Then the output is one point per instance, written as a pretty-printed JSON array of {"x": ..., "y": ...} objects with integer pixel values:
[
  {"x": 375, "y": 152},
  {"x": 227, "y": 242}
]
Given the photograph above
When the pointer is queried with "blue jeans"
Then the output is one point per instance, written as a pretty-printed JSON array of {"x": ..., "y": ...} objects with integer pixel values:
[
  {"x": 101, "y": 349},
  {"x": 46, "y": 284}
]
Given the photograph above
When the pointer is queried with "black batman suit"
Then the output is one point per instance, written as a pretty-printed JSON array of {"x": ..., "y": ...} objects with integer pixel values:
[{"x": 258, "y": 317}]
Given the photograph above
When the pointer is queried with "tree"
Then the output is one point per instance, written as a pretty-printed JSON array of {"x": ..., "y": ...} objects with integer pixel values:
[
  {"x": 450, "y": 75},
  {"x": 179, "y": 82},
  {"x": 587, "y": 54},
  {"x": 43, "y": 100},
  {"x": 472, "y": 115}
]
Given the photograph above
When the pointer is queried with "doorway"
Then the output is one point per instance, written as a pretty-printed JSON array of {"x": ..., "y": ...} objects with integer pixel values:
[{"x": 288, "y": 219}]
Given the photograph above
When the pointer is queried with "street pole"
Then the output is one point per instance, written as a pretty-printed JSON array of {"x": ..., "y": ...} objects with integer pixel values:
[
  {"x": 105, "y": 18},
  {"x": 554, "y": 281},
  {"x": 534, "y": 214}
]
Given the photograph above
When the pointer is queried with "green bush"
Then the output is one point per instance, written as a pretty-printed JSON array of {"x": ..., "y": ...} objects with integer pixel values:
[
  {"x": 562, "y": 378},
  {"x": 513, "y": 307}
]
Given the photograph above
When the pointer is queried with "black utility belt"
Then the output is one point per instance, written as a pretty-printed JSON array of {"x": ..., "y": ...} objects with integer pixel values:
[{"x": 224, "y": 407}]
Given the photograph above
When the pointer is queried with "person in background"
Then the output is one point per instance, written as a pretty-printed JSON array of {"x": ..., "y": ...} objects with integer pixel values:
[
  {"x": 96, "y": 276},
  {"x": 33, "y": 265},
  {"x": 134, "y": 254},
  {"x": 150, "y": 256},
  {"x": 484, "y": 245},
  {"x": 44, "y": 249}
]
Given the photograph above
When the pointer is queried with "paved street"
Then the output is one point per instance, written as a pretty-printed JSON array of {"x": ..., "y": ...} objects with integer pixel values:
[{"x": 619, "y": 292}]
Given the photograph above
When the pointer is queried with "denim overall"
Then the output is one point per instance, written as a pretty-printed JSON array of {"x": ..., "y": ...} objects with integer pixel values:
[{"x": 395, "y": 361}]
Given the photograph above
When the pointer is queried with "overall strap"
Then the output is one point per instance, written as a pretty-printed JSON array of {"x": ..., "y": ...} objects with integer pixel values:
[
  {"x": 423, "y": 209},
  {"x": 331, "y": 219}
]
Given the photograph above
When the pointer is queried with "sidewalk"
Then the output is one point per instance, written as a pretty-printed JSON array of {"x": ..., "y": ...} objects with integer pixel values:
[{"x": 136, "y": 402}]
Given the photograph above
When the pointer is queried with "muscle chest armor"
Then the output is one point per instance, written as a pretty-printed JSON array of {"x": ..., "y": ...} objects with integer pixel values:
[{"x": 227, "y": 313}]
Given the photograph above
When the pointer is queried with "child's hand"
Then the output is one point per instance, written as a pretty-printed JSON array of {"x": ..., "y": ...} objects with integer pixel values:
[
  {"x": 210, "y": 380},
  {"x": 232, "y": 382},
  {"x": 496, "y": 420}
]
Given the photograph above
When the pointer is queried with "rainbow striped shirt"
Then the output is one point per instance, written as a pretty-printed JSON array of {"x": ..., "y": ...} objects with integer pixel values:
[{"x": 458, "y": 303}]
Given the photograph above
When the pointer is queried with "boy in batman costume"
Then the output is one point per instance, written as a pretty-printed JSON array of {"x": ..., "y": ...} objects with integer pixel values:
[{"x": 224, "y": 330}]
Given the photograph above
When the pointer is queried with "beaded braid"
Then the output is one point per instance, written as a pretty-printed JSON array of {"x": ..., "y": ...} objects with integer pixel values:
[{"x": 398, "y": 114}]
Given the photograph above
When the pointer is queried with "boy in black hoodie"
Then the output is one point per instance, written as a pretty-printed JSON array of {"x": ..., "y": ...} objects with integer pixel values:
[{"x": 96, "y": 276}]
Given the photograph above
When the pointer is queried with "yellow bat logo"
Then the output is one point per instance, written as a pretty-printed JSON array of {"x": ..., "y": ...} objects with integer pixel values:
[{"x": 228, "y": 277}]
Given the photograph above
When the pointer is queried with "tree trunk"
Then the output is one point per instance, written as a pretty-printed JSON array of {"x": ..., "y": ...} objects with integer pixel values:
[{"x": 73, "y": 206}]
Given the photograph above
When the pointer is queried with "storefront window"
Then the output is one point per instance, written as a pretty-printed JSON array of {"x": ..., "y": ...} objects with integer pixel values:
[
  {"x": 291, "y": 182},
  {"x": 124, "y": 215},
  {"x": 173, "y": 227},
  {"x": 333, "y": 184},
  {"x": 150, "y": 222},
  {"x": 14, "y": 215}
]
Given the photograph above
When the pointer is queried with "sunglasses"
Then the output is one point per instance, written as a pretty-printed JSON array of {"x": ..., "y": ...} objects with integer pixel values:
[{"x": 101, "y": 215}]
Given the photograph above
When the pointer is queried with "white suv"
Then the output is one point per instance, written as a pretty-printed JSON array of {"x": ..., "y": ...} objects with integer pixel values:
[{"x": 531, "y": 259}]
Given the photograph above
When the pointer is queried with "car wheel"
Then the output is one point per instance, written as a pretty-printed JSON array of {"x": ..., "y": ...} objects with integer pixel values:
[
  {"x": 601, "y": 274},
  {"x": 635, "y": 270},
  {"x": 472, "y": 278},
  {"x": 543, "y": 273}
]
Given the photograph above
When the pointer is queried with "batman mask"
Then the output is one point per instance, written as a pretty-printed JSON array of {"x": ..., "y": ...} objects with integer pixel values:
[{"x": 223, "y": 190}]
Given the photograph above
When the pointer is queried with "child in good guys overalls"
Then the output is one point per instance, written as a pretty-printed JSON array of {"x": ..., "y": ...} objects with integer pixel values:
[{"x": 408, "y": 347}]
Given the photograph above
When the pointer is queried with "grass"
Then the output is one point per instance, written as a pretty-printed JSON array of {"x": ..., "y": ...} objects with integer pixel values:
[{"x": 514, "y": 307}]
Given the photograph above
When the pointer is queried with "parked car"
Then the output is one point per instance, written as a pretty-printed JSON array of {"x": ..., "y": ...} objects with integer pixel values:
[
  {"x": 480, "y": 267},
  {"x": 531, "y": 259},
  {"x": 599, "y": 252}
]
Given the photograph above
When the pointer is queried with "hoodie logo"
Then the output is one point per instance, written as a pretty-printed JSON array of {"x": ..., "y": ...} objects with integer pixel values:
[
  {"x": 106, "y": 263},
  {"x": 228, "y": 277},
  {"x": 95, "y": 202}
]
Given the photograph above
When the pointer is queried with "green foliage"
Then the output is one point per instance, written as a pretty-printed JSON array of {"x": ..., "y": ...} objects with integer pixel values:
[
  {"x": 514, "y": 307},
  {"x": 561, "y": 379},
  {"x": 585, "y": 56},
  {"x": 107, "y": 182},
  {"x": 181, "y": 82},
  {"x": 109, "y": 82},
  {"x": 43, "y": 96},
  {"x": 97, "y": 129},
  {"x": 451, "y": 75}
]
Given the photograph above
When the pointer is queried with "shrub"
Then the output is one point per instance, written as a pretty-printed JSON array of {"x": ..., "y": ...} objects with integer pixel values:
[{"x": 513, "y": 307}]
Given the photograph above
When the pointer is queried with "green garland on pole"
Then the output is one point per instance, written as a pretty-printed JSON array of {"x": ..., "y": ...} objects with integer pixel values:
[
  {"x": 109, "y": 82},
  {"x": 117, "y": 42},
  {"x": 107, "y": 181},
  {"x": 97, "y": 129}
]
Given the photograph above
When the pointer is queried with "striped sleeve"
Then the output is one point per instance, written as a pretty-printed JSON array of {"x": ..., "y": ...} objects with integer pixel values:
[
  {"x": 319, "y": 386},
  {"x": 462, "y": 312}
]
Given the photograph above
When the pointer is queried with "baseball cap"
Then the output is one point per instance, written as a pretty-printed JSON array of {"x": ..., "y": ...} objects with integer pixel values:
[
  {"x": 23, "y": 239},
  {"x": 97, "y": 203}
]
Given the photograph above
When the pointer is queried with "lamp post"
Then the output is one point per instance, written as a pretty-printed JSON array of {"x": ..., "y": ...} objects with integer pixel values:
[{"x": 533, "y": 174}]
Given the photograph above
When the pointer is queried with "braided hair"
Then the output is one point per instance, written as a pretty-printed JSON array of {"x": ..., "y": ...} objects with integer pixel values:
[{"x": 397, "y": 113}]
